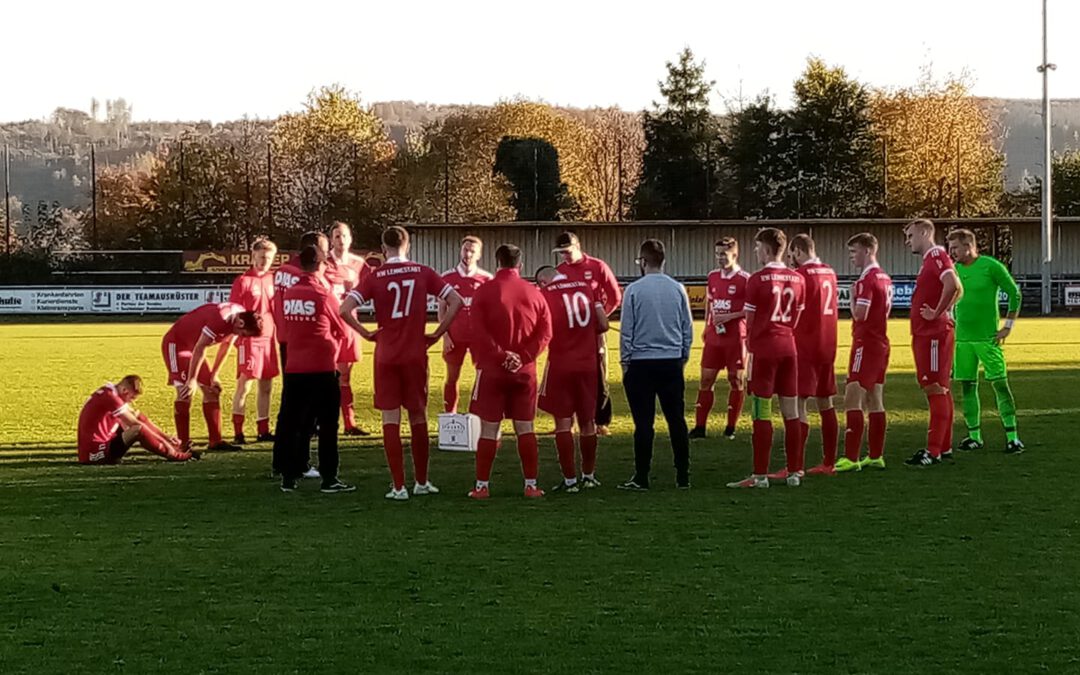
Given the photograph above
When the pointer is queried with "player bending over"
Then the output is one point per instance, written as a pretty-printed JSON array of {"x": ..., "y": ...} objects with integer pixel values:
[{"x": 109, "y": 426}]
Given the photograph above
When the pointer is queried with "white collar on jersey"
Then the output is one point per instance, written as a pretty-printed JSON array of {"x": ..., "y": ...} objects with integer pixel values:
[
  {"x": 397, "y": 259},
  {"x": 776, "y": 265},
  {"x": 465, "y": 271},
  {"x": 734, "y": 272},
  {"x": 868, "y": 269},
  {"x": 812, "y": 261}
]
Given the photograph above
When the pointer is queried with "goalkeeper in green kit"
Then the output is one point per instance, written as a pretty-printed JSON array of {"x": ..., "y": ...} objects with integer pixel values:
[{"x": 979, "y": 337}]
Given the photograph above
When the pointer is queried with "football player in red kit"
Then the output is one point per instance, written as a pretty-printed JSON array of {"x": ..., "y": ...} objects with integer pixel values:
[
  {"x": 569, "y": 386},
  {"x": 937, "y": 290},
  {"x": 399, "y": 289},
  {"x": 286, "y": 276},
  {"x": 344, "y": 270},
  {"x": 871, "y": 302},
  {"x": 256, "y": 357},
  {"x": 108, "y": 427},
  {"x": 724, "y": 338},
  {"x": 184, "y": 350},
  {"x": 465, "y": 278},
  {"x": 775, "y": 296},
  {"x": 815, "y": 341}
]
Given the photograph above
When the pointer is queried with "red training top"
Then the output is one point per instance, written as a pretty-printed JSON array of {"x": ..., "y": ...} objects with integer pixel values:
[
  {"x": 509, "y": 315},
  {"x": 312, "y": 325},
  {"x": 598, "y": 275}
]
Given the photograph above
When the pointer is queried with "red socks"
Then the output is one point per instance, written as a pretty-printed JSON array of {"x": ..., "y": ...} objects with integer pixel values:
[
  {"x": 588, "y": 455},
  {"x": 420, "y": 443},
  {"x": 940, "y": 422},
  {"x": 263, "y": 426},
  {"x": 212, "y": 412},
  {"x": 347, "y": 414},
  {"x": 450, "y": 396},
  {"x": 734, "y": 406},
  {"x": 182, "y": 417},
  {"x": 564, "y": 445},
  {"x": 853, "y": 435},
  {"x": 704, "y": 406},
  {"x": 762, "y": 442},
  {"x": 394, "y": 458},
  {"x": 485, "y": 457},
  {"x": 238, "y": 424},
  {"x": 793, "y": 444},
  {"x": 830, "y": 434},
  {"x": 530, "y": 456},
  {"x": 156, "y": 444},
  {"x": 877, "y": 434}
]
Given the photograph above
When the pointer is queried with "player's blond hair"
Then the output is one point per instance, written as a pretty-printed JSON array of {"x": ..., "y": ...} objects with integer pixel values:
[
  {"x": 471, "y": 239},
  {"x": 132, "y": 382},
  {"x": 774, "y": 238},
  {"x": 339, "y": 225},
  {"x": 802, "y": 242},
  {"x": 263, "y": 244},
  {"x": 924, "y": 225},
  {"x": 964, "y": 236},
  {"x": 864, "y": 239}
]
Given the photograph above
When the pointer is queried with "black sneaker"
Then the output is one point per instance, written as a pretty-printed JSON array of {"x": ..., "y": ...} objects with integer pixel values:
[
  {"x": 697, "y": 432},
  {"x": 1014, "y": 447},
  {"x": 567, "y": 489},
  {"x": 289, "y": 485},
  {"x": 335, "y": 486},
  {"x": 239, "y": 439},
  {"x": 196, "y": 456},
  {"x": 948, "y": 456},
  {"x": 922, "y": 458},
  {"x": 969, "y": 444},
  {"x": 683, "y": 482},
  {"x": 634, "y": 484},
  {"x": 264, "y": 438},
  {"x": 729, "y": 433},
  {"x": 224, "y": 447}
]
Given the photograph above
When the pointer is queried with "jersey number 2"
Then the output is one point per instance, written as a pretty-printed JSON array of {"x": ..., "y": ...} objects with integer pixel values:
[{"x": 408, "y": 284}]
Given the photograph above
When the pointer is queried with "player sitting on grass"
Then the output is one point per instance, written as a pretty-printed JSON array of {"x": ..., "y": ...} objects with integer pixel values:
[{"x": 108, "y": 427}]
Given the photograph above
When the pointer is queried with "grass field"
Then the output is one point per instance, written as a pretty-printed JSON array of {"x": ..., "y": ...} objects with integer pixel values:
[{"x": 207, "y": 567}]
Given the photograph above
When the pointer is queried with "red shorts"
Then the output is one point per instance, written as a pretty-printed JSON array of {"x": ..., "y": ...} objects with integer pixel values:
[
  {"x": 257, "y": 358},
  {"x": 93, "y": 451},
  {"x": 179, "y": 362},
  {"x": 349, "y": 348},
  {"x": 934, "y": 358},
  {"x": 456, "y": 355},
  {"x": 499, "y": 394},
  {"x": 730, "y": 357},
  {"x": 817, "y": 377},
  {"x": 768, "y": 375},
  {"x": 566, "y": 393},
  {"x": 868, "y": 363},
  {"x": 401, "y": 385}
]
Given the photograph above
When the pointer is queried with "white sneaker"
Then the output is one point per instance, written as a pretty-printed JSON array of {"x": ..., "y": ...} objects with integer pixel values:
[
  {"x": 751, "y": 482},
  {"x": 401, "y": 495},
  {"x": 795, "y": 479},
  {"x": 425, "y": 489},
  {"x": 312, "y": 472}
]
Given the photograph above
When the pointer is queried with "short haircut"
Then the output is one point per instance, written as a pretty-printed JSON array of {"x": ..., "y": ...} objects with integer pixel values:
[
  {"x": 311, "y": 238},
  {"x": 802, "y": 242},
  {"x": 774, "y": 238},
  {"x": 340, "y": 225},
  {"x": 922, "y": 225},
  {"x": 471, "y": 239},
  {"x": 132, "y": 382},
  {"x": 251, "y": 320},
  {"x": 263, "y": 244},
  {"x": 864, "y": 239},
  {"x": 652, "y": 252},
  {"x": 966, "y": 237},
  {"x": 310, "y": 258},
  {"x": 728, "y": 243},
  {"x": 508, "y": 256},
  {"x": 545, "y": 270},
  {"x": 395, "y": 236}
]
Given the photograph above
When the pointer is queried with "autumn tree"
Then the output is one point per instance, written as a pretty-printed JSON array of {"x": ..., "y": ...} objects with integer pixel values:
[
  {"x": 942, "y": 156},
  {"x": 613, "y": 152}
]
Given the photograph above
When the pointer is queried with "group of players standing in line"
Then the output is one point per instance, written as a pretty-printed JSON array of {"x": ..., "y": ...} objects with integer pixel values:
[{"x": 773, "y": 332}]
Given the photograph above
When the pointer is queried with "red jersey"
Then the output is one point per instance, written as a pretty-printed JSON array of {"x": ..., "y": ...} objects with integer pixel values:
[
  {"x": 215, "y": 321},
  {"x": 255, "y": 292},
  {"x": 312, "y": 325},
  {"x": 510, "y": 315},
  {"x": 776, "y": 295},
  {"x": 873, "y": 291},
  {"x": 598, "y": 275},
  {"x": 573, "y": 325},
  {"x": 928, "y": 289},
  {"x": 726, "y": 293},
  {"x": 399, "y": 290},
  {"x": 815, "y": 336},
  {"x": 285, "y": 277},
  {"x": 100, "y": 416},
  {"x": 465, "y": 283},
  {"x": 344, "y": 275}
]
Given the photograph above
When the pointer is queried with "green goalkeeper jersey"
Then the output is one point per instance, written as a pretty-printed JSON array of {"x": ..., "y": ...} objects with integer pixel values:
[{"x": 977, "y": 313}]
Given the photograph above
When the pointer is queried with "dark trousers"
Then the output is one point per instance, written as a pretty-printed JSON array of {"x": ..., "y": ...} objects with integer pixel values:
[
  {"x": 307, "y": 399},
  {"x": 645, "y": 382},
  {"x": 603, "y": 392}
]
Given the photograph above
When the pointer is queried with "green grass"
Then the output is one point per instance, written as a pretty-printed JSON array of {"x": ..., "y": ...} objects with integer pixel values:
[{"x": 206, "y": 567}]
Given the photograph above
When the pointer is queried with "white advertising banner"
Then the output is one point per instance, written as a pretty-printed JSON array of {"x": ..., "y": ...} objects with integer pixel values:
[
  {"x": 1072, "y": 296},
  {"x": 108, "y": 299}
]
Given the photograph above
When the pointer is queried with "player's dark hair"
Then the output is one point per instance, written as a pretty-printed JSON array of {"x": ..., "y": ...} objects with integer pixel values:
[
  {"x": 310, "y": 258},
  {"x": 337, "y": 225},
  {"x": 728, "y": 243},
  {"x": 774, "y": 238},
  {"x": 542, "y": 269},
  {"x": 963, "y": 236},
  {"x": 802, "y": 242},
  {"x": 864, "y": 239},
  {"x": 132, "y": 382},
  {"x": 251, "y": 321},
  {"x": 652, "y": 252},
  {"x": 311, "y": 238},
  {"x": 508, "y": 256},
  {"x": 395, "y": 236}
]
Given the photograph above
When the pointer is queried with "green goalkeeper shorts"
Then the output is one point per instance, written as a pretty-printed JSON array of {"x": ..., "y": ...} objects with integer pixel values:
[{"x": 970, "y": 354}]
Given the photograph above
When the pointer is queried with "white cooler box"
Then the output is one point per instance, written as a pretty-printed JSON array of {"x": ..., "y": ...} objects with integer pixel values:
[{"x": 459, "y": 433}]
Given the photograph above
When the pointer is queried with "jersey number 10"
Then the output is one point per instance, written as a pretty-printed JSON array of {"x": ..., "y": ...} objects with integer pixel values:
[{"x": 578, "y": 312}]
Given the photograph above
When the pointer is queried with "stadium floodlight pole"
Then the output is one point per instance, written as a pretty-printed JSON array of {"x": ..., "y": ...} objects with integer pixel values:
[
  {"x": 1047, "y": 203},
  {"x": 93, "y": 197},
  {"x": 7, "y": 201}
]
